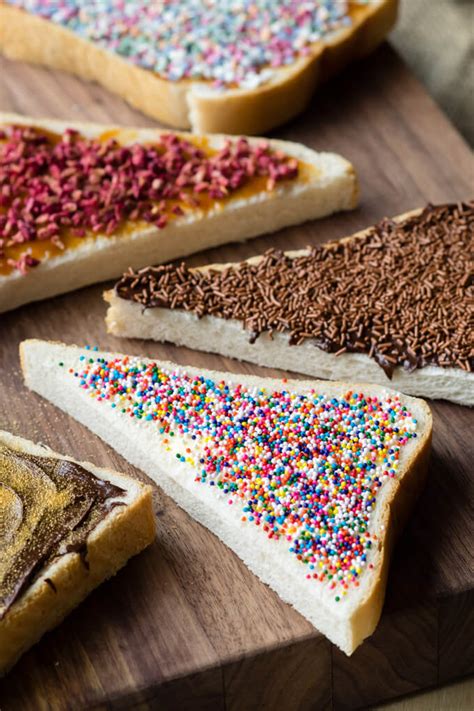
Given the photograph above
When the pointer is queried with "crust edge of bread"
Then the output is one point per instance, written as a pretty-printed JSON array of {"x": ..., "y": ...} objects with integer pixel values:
[
  {"x": 125, "y": 532},
  {"x": 189, "y": 103},
  {"x": 398, "y": 510}
]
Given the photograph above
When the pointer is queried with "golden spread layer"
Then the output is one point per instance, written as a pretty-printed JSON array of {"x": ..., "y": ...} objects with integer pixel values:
[{"x": 48, "y": 507}]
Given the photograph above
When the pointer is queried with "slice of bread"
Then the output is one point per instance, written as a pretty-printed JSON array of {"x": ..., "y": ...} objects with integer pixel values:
[
  {"x": 281, "y": 91},
  {"x": 64, "y": 579},
  {"x": 325, "y": 183},
  {"x": 308, "y": 482},
  {"x": 205, "y": 328}
]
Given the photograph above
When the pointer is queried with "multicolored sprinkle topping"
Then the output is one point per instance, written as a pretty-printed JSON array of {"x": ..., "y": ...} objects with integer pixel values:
[
  {"x": 56, "y": 188},
  {"x": 227, "y": 42},
  {"x": 305, "y": 468}
]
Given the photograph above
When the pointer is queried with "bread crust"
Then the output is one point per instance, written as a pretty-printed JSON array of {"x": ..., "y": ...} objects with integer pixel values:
[
  {"x": 124, "y": 532},
  {"x": 189, "y": 103},
  {"x": 409, "y": 485},
  {"x": 399, "y": 494},
  {"x": 329, "y": 184}
]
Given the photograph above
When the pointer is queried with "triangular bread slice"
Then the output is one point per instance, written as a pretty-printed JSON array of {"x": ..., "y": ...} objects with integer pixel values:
[
  {"x": 315, "y": 185},
  {"x": 308, "y": 482},
  {"x": 139, "y": 308},
  {"x": 37, "y": 488},
  {"x": 270, "y": 97}
]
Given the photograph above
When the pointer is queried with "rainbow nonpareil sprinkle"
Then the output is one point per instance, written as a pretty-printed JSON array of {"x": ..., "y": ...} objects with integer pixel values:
[
  {"x": 304, "y": 468},
  {"x": 228, "y": 42}
]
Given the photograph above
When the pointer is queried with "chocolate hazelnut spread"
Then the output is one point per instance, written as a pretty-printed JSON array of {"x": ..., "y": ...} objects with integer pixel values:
[{"x": 48, "y": 507}]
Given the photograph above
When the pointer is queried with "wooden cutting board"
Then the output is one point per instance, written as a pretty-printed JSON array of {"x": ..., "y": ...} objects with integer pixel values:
[{"x": 185, "y": 624}]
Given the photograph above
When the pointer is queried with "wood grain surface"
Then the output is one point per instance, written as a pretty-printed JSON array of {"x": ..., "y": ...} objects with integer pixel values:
[{"x": 185, "y": 624}]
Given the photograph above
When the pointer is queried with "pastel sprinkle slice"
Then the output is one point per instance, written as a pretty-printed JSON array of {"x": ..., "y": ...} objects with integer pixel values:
[{"x": 227, "y": 42}]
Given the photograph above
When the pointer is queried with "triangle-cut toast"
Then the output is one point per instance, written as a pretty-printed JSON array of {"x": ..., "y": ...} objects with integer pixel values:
[
  {"x": 388, "y": 305},
  {"x": 80, "y": 202},
  {"x": 308, "y": 482}
]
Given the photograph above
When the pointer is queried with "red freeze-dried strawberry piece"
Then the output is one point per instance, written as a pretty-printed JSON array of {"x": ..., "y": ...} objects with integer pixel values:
[{"x": 23, "y": 263}]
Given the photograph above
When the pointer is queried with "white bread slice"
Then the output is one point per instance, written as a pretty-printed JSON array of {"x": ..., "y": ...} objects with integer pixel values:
[
  {"x": 191, "y": 103},
  {"x": 66, "y": 581},
  {"x": 327, "y": 184},
  {"x": 49, "y": 369},
  {"x": 229, "y": 338}
]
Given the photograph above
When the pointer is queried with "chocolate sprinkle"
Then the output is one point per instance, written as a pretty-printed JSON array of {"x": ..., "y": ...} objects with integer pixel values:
[{"x": 401, "y": 292}]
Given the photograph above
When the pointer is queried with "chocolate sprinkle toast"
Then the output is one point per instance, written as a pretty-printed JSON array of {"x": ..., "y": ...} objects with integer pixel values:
[{"x": 400, "y": 292}]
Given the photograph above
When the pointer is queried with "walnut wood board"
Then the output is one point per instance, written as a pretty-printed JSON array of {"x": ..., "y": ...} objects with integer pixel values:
[{"x": 185, "y": 624}]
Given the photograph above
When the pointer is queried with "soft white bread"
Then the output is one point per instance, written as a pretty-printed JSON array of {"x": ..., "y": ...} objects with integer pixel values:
[
  {"x": 142, "y": 442},
  {"x": 190, "y": 103},
  {"x": 229, "y": 338},
  {"x": 66, "y": 581},
  {"x": 326, "y": 184}
]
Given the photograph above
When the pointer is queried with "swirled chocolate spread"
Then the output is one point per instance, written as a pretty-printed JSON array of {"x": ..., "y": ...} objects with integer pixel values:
[
  {"x": 401, "y": 292},
  {"x": 48, "y": 507}
]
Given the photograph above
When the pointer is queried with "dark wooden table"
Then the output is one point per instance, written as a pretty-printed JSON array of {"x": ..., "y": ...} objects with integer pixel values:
[{"x": 185, "y": 624}]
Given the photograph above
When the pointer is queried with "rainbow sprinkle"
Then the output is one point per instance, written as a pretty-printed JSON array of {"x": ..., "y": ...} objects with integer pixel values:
[
  {"x": 228, "y": 42},
  {"x": 305, "y": 468}
]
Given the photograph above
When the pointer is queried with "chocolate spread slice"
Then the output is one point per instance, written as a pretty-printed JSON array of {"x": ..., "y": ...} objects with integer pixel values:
[{"x": 48, "y": 507}]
